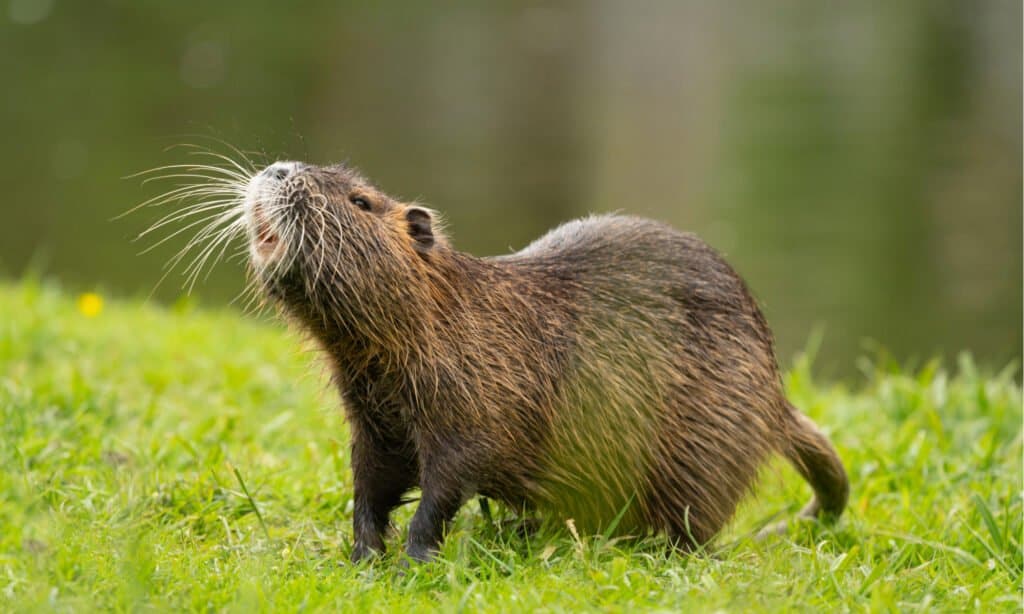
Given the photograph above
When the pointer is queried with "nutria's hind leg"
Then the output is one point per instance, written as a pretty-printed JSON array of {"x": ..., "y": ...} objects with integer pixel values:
[{"x": 813, "y": 455}]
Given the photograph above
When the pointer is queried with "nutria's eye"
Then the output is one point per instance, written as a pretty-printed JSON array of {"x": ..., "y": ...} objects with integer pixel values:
[{"x": 360, "y": 202}]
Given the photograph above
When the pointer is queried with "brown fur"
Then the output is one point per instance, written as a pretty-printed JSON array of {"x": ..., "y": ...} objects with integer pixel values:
[{"x": 614, "y": 364}]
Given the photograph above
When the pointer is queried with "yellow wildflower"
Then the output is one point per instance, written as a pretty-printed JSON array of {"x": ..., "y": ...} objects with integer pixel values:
[{"x": 90, "y": 304}]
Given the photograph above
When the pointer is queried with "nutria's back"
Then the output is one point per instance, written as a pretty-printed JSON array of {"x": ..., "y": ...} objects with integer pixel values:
[{"x": 614, "y": 365}]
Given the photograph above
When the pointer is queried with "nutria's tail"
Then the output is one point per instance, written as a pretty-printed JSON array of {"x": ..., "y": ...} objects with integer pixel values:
[{"x": 812, "y": 454}]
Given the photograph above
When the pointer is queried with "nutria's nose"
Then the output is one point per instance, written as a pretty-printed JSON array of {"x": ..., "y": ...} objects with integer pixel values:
[{"x": 279, "y": 170}]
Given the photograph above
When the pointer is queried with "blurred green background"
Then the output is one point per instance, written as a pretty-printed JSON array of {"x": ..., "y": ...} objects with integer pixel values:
[{"x": 858, "y": 162}]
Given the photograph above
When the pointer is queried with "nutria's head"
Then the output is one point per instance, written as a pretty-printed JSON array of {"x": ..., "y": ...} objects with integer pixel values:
[{"x": 323, "y": 239}]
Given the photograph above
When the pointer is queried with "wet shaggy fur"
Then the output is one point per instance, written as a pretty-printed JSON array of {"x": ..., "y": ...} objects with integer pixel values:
[{"x": 613, "y": 368}]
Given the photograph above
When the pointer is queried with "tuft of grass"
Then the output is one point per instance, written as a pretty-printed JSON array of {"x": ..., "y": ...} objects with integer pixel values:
[{"x": 126, "y": 431}]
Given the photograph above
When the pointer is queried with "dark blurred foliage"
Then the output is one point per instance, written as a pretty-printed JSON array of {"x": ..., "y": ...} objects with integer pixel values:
[{"x": 859, "y": 162}]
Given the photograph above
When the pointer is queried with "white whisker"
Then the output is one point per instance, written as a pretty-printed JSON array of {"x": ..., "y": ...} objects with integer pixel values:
[
  {"x": 210, "y": 219},
  {"x": 188, "y": 212},
  {"x": 182, "y": 193},
  {"x": 209, "y": 200},
  {"x": 223, "y": 238},
  {"x": 200, "y": 151}
]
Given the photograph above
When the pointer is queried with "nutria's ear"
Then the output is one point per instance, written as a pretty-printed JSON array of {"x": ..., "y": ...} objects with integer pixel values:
[{"x": 421, "y": 228}]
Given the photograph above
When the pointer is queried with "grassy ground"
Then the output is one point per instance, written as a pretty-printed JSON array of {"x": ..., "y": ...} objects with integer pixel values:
[{"x": 128, "y": 431}]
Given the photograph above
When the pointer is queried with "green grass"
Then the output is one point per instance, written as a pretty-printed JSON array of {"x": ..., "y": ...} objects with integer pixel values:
[{"x": 137, "y": 446}]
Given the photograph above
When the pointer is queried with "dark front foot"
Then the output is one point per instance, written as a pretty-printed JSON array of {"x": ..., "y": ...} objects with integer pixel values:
[
  {"x": 369, "y": 522},
  {"x": 382, "y": 470},
  {"x": 438, "y": 506}
]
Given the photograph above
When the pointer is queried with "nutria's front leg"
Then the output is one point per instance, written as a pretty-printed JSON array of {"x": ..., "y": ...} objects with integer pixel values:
[
  {"x": 382, "y": 472},
  {"x": 442, "y": 497}
]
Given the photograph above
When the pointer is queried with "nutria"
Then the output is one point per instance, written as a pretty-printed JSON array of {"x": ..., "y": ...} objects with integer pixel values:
[{"x": 615, "y": 371}]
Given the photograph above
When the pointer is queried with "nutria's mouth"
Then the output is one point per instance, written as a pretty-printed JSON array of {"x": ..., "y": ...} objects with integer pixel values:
[{"x": 266, "y": 241}]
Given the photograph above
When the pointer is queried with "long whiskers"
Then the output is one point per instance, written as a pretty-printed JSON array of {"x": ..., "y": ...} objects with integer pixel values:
[{"x": 208, "y": 199}]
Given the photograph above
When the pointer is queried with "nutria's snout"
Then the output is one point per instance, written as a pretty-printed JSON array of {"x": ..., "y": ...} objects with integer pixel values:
[{"x": 267, "y": 196}]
